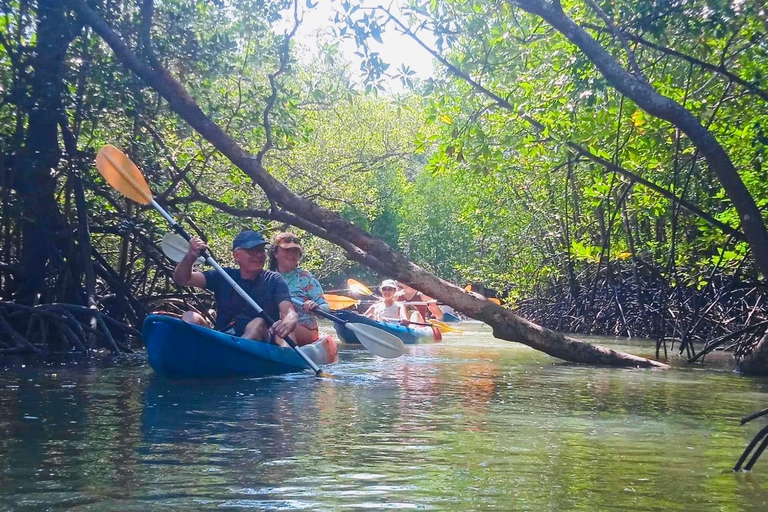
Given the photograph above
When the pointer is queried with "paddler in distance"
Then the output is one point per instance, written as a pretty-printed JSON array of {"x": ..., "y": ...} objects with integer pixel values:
[{"x": 387, "y": 309}]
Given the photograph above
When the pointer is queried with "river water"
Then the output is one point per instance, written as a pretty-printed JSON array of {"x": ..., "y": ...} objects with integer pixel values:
[{"x": 470, "y": 424}]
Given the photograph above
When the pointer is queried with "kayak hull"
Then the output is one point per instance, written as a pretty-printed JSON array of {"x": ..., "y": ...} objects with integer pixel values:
[
  {"x": 179, "y": 350},
  {"x": 450, "y": 318},
  {"x": 409, "y": 335}
]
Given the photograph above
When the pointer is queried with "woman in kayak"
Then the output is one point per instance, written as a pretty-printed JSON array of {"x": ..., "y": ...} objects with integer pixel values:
[
  {"x": 284, "y": 256},
  {"x": 387, "y": 309}
]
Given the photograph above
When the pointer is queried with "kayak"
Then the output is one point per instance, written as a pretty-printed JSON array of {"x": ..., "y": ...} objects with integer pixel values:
[
  {"x": 179, "y": 350},
  {"x": 409, "y": 335},
  {"x": 450, "y": 318}
]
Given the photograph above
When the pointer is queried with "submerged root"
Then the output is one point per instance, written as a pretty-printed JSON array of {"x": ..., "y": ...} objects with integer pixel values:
[{"x": 67, "y": 324}]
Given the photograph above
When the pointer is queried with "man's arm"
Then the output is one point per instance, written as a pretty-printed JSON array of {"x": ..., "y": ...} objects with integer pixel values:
[
  {"x": 288, "y": 320},
  {"x": 183, "y": 274}
]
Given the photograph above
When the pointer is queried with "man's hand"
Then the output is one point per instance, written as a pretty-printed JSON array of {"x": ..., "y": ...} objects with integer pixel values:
[
  {"x": 183, "y": 274},
  {"x": 284, "y": 328},
  {"x": 288, "y": 320},
  {"x": 196, "y": 247}
]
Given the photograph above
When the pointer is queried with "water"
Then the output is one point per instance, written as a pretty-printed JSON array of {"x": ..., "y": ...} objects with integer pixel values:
[{"x": 472, "y": 424}]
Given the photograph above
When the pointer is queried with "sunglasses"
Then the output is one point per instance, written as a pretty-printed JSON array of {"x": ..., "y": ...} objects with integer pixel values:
[
  {"x": 291, "y": 240},
  {"x": 388, "y": 288},
  {"x": 254, "y": 251}
]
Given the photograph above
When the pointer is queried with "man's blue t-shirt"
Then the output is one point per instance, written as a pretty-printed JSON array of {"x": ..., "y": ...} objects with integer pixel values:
[{"x": 268, "y": 289}]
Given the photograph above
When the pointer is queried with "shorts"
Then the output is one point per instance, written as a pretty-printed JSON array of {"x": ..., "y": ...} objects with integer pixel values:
[{"x": 236, "y": 327}]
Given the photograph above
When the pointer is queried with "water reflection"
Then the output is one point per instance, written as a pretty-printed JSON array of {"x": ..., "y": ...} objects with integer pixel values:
[{"x": 470, "y": 424}]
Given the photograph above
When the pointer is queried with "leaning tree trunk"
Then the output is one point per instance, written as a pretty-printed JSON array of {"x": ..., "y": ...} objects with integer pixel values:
[{"x": 361, "y": 246}]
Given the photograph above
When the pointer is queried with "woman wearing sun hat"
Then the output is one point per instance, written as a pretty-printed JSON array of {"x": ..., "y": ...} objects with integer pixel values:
[
  {"x": 387, "y": 308},
  {"x": 284, "y": 256}
]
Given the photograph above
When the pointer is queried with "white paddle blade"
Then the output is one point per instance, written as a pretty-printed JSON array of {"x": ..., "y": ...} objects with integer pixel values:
[
  {"x": 175, "y": 247},
  {"x": 379, "y": 342}
]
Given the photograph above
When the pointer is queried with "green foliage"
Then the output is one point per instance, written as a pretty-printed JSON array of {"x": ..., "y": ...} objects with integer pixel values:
[{"x": 461, "y": 183}]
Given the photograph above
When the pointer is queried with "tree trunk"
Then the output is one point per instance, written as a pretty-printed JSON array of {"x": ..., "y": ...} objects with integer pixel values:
[
  {"x": 42, "y": 222},
  {"x": 361, "y": 246},
  {"x": 756, "y": 363}
]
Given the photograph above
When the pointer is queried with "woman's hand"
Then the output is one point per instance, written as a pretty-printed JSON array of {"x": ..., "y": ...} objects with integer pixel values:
[{"x": 310, "y": 305}]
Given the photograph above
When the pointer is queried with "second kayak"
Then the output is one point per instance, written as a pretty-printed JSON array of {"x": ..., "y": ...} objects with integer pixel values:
[{"x": 409, "y": 335}]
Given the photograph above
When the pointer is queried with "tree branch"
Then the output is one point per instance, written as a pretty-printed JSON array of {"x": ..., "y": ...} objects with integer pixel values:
[
  {"x": 618, "y": 35},
  {"x": 284, "y": 54},
  {"x": 578, "y": 149},
  {"x": 669, "y": 110},
  {"x": 752, "y": 87}
]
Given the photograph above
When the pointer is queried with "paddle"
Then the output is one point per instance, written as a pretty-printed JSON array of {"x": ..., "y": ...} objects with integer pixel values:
[
  {"x": 360, "y": 289},
  {"x": 492, "y": 299},
  {"x": 123, "y": 175},
  {"x": 442, "y": 326},
  {"x": 340, "y": 301},
  {"x": 378, "y": 341},
  {"x": 176, "y": 247}
]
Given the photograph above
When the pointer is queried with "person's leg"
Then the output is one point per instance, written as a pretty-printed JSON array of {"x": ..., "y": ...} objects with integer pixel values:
[
  {"x": 191, "y": 317},
  {"x": 304, "y": 336},
  {"x": 416, "y": 317},
  {"x": 256, "y": 330}
]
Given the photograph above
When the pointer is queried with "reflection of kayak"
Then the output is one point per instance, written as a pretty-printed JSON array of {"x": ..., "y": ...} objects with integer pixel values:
[
  {"x": 450, "y": 318},
  {"x": 180, "y": 350},
  {"x": 409, "y": 335}
]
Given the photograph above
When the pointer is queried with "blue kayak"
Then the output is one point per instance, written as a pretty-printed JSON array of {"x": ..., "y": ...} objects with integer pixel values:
[
  {"x": 409, "y": 335},
  {"x": 179, "y": 350},
  {"x": 450, "y": 318}
]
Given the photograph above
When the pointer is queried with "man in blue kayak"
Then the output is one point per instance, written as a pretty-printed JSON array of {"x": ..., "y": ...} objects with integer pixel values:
[{"x": 234, "y": 315}]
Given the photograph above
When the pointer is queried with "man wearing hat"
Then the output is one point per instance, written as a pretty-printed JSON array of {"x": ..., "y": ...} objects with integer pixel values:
[{"x": 234, "y": 315}]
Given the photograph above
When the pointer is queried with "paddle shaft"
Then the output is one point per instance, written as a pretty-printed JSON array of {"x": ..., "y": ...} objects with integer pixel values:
[
  {"x": 323, "y": 314},
  {"x": 212, "y": 262},
  {"x": 320, "y": 312},
  {"x": 395, "y": 320},
  {"x": 436, "y": 323},
  {"x": 372, "y": 338}
]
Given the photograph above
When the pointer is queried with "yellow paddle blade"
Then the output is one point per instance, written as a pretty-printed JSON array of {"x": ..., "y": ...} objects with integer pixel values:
[
  {"x": 492, "y": 299},
  {"x": 444, "y": 327},
  {"x": 340, "y": 301},
  {"x": 123, "y": 174},
  {"x": 358, "y": 287}
]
